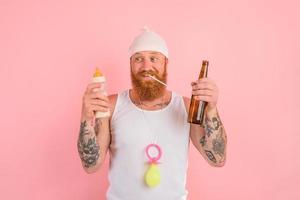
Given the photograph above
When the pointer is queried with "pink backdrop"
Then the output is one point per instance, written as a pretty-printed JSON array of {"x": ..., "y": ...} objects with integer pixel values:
[{"x": 48, "y": 53}]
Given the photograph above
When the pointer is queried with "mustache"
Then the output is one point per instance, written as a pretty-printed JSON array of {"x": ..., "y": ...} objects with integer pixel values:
[{"x": 146, "y": 73}]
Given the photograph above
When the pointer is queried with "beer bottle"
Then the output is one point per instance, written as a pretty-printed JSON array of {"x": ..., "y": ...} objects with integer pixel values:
[{"x": 197, "y": 107}]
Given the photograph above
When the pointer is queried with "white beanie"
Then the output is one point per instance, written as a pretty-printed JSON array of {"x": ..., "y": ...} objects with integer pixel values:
[{"x": 148, "y": 41}]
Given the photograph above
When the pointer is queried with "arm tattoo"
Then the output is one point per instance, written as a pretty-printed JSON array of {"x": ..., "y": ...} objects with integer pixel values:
[
  {"x": 87, "y": 145},
  {"x": 207, "y": 127},
  {"x": 212, "y": 125},
  {"x": 203, "y": 141},
  {"x": 214, "y": 140},
  {"x": 216, "y": 123},
  {"x": 219, "y": 144},
  {"x": 210, "y": 156}
]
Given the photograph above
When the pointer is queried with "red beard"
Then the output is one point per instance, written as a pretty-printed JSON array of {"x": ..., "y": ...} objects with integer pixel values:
[{"x": 148, "y": 90}]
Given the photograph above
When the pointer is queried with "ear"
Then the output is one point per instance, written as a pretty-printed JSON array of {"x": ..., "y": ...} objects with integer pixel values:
[
  {"x": 130, "y": 62},
  {"x": 166, "y": 61}
]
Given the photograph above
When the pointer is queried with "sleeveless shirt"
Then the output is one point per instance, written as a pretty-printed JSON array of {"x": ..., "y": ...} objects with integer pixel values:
[{"x": 132, "y": 129}]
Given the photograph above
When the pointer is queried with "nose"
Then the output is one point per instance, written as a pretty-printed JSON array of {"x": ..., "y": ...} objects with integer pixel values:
[{"x": 147, "y": 65}]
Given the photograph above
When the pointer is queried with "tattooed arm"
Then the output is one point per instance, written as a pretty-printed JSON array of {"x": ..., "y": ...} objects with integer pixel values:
[
  {"x": 94, "y": 135},
  {"x": 211, "y": 144},
  {"x": 211, "y": 140},
  {"x": 93, "y": 142}
]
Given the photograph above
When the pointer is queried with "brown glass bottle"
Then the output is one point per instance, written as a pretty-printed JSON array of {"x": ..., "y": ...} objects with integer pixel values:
[{"x": 197, "y": 107}]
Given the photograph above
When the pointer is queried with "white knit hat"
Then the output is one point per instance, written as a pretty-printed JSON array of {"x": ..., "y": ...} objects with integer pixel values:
[{"x": 148, "y": 41}]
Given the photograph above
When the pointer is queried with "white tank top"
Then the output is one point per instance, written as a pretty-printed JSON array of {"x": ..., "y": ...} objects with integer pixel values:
[{"x": 132, "y": 129}]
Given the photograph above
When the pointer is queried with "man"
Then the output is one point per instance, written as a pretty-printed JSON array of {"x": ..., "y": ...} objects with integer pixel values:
[{"x": 144, "y": 115}]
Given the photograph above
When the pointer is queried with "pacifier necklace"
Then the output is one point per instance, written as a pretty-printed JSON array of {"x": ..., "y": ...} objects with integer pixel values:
[{"x": 152, "y": 175}]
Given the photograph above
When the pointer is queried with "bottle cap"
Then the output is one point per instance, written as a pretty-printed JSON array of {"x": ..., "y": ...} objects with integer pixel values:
[{"x": 97, "y": 73}]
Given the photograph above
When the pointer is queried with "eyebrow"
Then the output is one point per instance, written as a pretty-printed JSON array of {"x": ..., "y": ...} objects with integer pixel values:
[
  {"x": 156, "y": 53},
  {"x": 153, "y": 53}
]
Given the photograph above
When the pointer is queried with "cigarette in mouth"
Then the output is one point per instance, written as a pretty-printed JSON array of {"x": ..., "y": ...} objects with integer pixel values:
[{"x": 157, "y": 80}]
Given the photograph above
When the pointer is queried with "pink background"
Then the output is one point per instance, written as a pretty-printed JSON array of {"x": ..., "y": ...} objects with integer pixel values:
[{"x": 48, "y": 51}]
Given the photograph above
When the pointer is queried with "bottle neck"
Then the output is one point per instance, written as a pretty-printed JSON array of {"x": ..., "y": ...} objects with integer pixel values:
[{"x": 204, "y": 70}]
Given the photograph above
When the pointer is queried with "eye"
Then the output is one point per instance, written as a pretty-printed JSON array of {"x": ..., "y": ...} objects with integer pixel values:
[
  {"x": 138, "y": 59},
  {"x": 154, "y": 59}
]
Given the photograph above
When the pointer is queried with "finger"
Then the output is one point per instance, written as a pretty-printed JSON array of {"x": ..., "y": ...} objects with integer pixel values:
[
  {"x": 209, "y": 81},
  {"x": 203, "y": 80},
  {"x": 204, "y": 98},
  {"x": 193, "y": 83},
  {"x": 203, "y": 92},
  {"x": 99, "y": 108},
  {"x": 203, "y": 85},
  {"x": 99, "y": 103},
  {"x": 92, "y": 86},
  {"x": 98, "y": 95},
  {"x": 206, "y": 80}
]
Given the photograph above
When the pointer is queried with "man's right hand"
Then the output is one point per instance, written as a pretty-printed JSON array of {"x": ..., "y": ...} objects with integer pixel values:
[{"x": 93, "y": 101}]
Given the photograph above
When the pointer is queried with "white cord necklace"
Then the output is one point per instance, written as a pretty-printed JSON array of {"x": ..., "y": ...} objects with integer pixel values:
[{"x": 144, "y": 116}]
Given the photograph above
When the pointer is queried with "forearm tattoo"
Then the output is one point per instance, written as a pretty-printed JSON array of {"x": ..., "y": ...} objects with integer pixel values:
[
  {"x": 219, "y": 144},
  {"x": 214, "y": 140},
  {"x": 210, "y": 156},
  {"x": 203, "y": 141},
  {"x": 87, "y": 145},
  {"x": 212, "y": 125}
]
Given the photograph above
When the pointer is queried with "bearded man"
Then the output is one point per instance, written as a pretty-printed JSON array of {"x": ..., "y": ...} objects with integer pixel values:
[{"x": 147, "y": 134}]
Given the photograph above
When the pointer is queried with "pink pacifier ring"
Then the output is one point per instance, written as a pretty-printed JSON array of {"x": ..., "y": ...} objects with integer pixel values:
[{"x": 153, "y": 159}]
